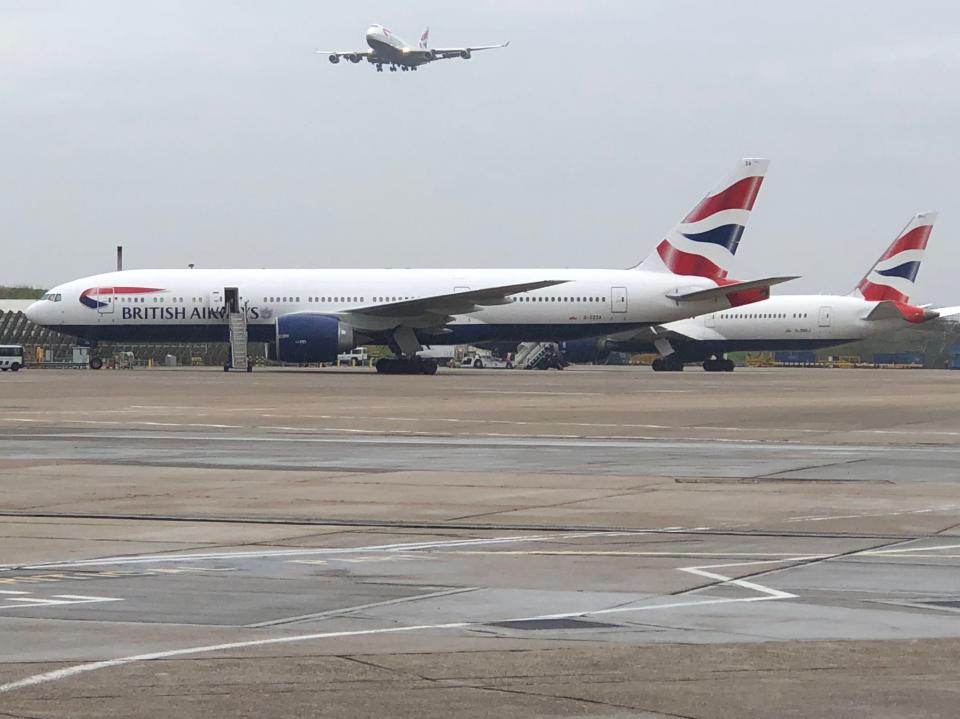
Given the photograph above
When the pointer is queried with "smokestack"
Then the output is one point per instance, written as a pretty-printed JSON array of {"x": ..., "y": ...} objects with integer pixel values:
[{"x": 119, "y": 258}]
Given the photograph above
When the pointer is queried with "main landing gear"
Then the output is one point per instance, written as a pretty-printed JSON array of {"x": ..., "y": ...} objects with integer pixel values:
[
  {"x": 670, "y": 363},
  {"x": 396, "y": 365},
  {"x": 719, "y": 364}
]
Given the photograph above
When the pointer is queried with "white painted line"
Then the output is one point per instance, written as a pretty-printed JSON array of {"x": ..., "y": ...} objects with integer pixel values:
[
  {"x": 266, "y": 553},
  {"x": 361, "y": 607},
  {"x": 11, "y": 591},
  {"x": 912, "y": 549},
  {"x": 767, "y": 594}
]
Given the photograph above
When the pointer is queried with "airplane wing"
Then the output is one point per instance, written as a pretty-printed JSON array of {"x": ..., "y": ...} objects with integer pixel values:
[
  {"x": 436, "y": 310},
  {"x": 724, "y": 290},
  {"x": 464, "y": 52},
  {"x": 352, "y": 55}
]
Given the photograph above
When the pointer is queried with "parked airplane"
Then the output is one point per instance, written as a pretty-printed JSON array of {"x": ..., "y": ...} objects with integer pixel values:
[
  {"x": 880, "y": 303},
  {"x": 388, "y": 49},
  {"x": 313, "y": 315}
]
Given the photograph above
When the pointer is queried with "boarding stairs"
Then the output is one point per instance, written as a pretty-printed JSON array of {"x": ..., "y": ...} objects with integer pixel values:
[
  {"x": 531, "y": 355},
  {"x": 237, "y": 322}
]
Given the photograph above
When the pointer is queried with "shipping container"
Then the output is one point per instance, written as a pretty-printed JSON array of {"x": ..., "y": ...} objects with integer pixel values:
[
  {"x": 795, "y": 357},
  {"x": 898, "y": 358}
]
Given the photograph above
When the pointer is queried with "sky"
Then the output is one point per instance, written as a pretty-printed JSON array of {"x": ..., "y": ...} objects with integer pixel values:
[{"x": 211, "y": 133}]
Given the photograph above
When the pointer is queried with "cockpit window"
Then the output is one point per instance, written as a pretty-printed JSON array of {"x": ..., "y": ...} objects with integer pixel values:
[{"x": 51, "y": 296}]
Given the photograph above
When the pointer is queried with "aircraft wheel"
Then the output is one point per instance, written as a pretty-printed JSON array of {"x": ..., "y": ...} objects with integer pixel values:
[
  {"x": 249, "y": 365},
  {"x": 478, "y": 364},
  {"x": 96, "y": 363},
  {"x": 428, "y": 366},
  {"x": 509, "y": 365},
  {"x": 672, "y": 363},
  {"x": 657, "y": 364},
  {"x": 226, "y": 367},
  {"x": 728, "y": 365}
]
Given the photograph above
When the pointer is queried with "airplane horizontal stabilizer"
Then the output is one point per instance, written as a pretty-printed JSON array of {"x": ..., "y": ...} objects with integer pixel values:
[
  {"x": 724, "y": 291},
  {"x": 890, "y": 310}
]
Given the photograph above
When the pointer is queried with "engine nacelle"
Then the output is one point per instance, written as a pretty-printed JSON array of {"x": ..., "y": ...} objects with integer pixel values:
[
  {"x": 353, "y": 58},
  {"x": 334, "y": 59},
  {"x": 465, "y": 54},
  {"x": 430, "y": 54},
  {"x": 312, "y": 337}
]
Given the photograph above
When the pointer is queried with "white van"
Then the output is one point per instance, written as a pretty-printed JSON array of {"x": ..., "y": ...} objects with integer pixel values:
[{"x": 11, "y": 357}]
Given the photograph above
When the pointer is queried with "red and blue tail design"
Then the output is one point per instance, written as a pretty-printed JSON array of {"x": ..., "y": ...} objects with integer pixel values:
[
  {"x": 893, "y": 276},
  {"x": 704, "y": 242}
]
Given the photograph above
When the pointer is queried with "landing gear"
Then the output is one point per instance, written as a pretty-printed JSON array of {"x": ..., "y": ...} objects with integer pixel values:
[
  {"x": 397, "y": 365},
  {"x": 96, "y": 363},
  {"x": 670, "y": 363},
  {"x": 719, "y": 364},
  {"x": 393, "y": 68},
  {"x": 404, "y": 68},
  {"x": 379, "y": 67}
]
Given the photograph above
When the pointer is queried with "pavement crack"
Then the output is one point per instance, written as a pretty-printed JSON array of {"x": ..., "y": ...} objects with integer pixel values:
[{"x": 567, "y": 697}]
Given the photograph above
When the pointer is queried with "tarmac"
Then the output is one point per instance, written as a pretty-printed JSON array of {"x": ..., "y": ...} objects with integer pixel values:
[{"x": 594, "y": 542}]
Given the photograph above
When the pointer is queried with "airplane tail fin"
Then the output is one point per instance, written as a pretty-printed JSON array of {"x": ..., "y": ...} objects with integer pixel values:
[
  {"x": 704, "y": 242},
  {"x": 425, "y": 38},
  {"x": 894, "y": 275}
]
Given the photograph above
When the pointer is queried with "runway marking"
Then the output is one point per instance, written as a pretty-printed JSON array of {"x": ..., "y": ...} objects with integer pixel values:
[
  {"x": 590, "y": 553},
  {"x": 507, "y": 440},
  {"x": 824, "y": 518},
  {"x": 912, "y": 549},
  {"x": 56, "y": 600},
  {"x": 266, "y": 553},
  {"x": 765, "y": 594},
  {"x": 361, "y": 607},
  {"x": 472, "y": 420}
]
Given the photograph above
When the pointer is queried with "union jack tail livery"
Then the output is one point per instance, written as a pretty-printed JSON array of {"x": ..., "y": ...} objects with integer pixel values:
[
  {"x": 704, "y": 242},
  {"x": 425, "y": 38},
  {"x": 893, "y": 276}
]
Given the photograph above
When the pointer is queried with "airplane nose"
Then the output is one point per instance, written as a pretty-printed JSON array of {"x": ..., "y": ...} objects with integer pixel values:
[{"x": 33, "y": 312}]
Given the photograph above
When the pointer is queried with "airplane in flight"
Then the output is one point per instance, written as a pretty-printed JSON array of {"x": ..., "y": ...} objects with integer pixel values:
[
  {"x": 309, "y": 316},
  {"x": 388, "y": 49},
  {"x": 879, "y": 303}
]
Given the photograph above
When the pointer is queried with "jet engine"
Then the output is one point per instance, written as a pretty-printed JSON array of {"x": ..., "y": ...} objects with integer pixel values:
[
  {"x": 353, "y": 58},
  {"x": 465, "y": 54},
  {"x": 334, "y": 59},
  {"x": 311, "y": 337}
]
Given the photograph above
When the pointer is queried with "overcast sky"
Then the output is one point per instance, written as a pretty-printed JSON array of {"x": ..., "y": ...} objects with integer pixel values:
[{"x": 209, "y": 132}]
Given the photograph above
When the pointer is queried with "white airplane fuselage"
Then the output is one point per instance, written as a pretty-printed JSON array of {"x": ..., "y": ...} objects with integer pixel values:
[
  {"x": 390, "y": 49},
  {"x": 188, "y": 305},
  {"x": 788, "y": 322}
]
